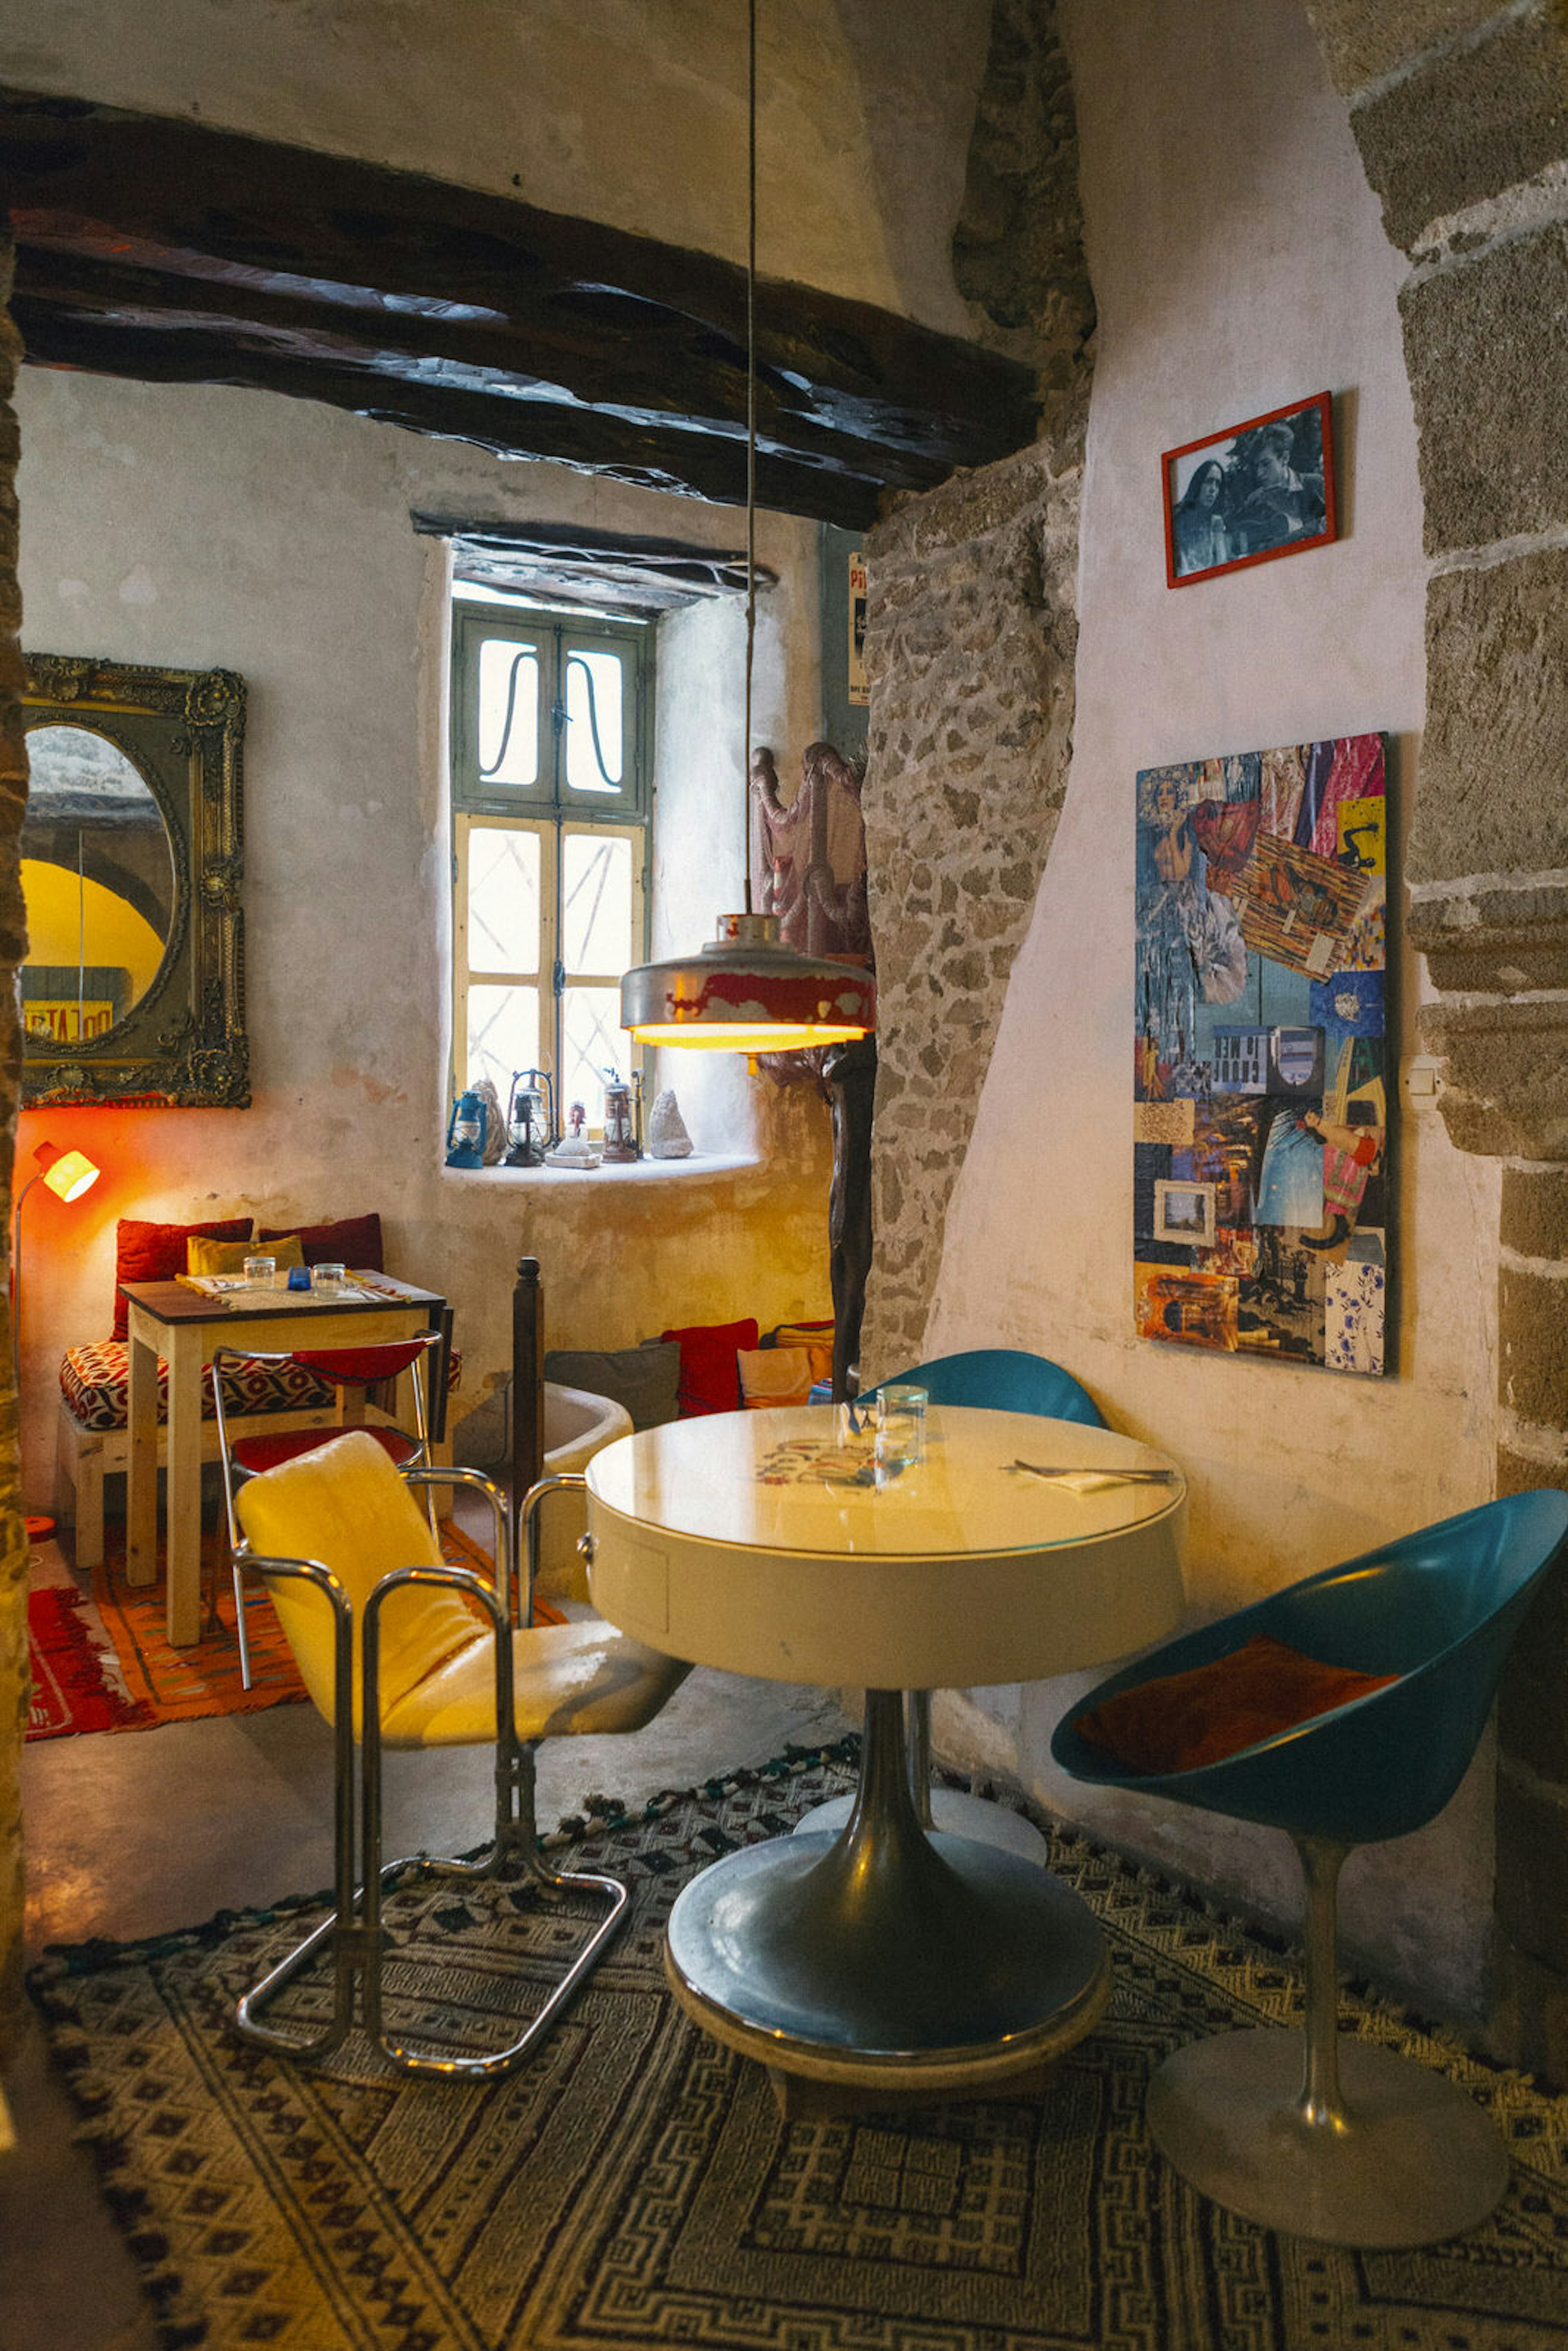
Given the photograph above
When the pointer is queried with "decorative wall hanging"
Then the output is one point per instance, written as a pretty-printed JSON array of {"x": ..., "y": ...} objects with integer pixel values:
[
  {"x": 1249, "y": 491},
  {"x": 1261, "y": 1200},
  {"x": 134, "y": 989}
]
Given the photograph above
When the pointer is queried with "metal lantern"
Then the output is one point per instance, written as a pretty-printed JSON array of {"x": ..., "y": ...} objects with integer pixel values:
[
  {"x": 621, "y": 1143},
  {"x": 530, "y": 1118}
]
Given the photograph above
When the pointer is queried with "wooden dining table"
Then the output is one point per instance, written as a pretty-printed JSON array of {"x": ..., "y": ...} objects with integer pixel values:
[
  {"x": 887, "y": 1959},
  {"x": 184, "y": 1326}
]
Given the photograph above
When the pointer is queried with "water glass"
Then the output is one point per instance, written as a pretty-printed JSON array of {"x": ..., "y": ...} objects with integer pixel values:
[
  {"x": 258, "y": 1272},
  {"x": 328, "y": 1280},
  {"x": 901, "y": 1426}
]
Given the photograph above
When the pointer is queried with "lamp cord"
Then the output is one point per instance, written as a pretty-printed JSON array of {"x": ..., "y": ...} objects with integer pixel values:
[{"x": 750, "y": 429}]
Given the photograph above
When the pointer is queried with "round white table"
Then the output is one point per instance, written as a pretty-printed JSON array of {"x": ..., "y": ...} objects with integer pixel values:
[{"x": 754, "y": 1543}]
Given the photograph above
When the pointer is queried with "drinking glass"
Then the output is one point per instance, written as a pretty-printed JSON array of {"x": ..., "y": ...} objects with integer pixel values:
[
  {"x": 258, "y": 1272},
  {"x": 901, "y": 1426},
  {"x": 328, "y": 1281}
]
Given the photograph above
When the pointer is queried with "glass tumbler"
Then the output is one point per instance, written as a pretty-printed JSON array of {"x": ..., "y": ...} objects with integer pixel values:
[
  {"x": 258, "y": 1272},
  {"x": 901, "y": 1426}
]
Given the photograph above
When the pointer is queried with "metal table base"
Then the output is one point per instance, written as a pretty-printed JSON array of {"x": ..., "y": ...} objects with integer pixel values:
[{"x": 887, "y": 1956}]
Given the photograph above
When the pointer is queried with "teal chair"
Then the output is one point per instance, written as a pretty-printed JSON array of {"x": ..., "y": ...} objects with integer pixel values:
[
  {"x": 1354, "y": 2145},
  {"x": 995, "y": 1379},
  {"x": 1003, "y": 1379}
]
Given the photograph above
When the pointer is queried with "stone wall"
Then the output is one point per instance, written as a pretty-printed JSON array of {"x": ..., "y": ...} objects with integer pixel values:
[
  {"x": 14, "y": 1682},
  {"x": 970, "y": 637},
  {"x": 1460, "y": 111}
]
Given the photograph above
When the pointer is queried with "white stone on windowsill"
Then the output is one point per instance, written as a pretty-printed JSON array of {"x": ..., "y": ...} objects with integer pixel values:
[{"x": 634, "y": 1171}]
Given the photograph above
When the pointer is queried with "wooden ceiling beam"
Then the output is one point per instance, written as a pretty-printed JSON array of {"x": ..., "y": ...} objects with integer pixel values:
[{"x": 170, "y": 252}]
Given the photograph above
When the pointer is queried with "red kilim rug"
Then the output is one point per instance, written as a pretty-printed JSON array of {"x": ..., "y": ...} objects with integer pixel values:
[{"x": 70, "y": 1690}]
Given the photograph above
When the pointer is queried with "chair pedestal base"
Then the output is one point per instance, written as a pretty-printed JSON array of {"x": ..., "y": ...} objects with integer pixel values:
[{"x": 1415, "y": 2159}]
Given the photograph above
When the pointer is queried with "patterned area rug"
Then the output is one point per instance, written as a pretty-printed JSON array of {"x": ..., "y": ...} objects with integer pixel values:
[
  {"x": 71, "y": 1691},
  {"x": 179, "y": 1685},
  {"x": 635, "y": 2186}
]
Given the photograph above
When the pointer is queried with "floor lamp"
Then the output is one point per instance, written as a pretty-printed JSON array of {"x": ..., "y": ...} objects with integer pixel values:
[{"x": 67, "y": 1174}]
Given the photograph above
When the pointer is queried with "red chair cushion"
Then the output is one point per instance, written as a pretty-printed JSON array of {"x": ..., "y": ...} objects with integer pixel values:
[
  {"x": 710, "y": 1371},
  {"x": 352, "y": 1241},
  {"x": 145, "y": 1252},
  {"x": 257, "y": 1453},
  {"x": 361, "y": 1367},
  {"x": 1179, "y": 1722}
]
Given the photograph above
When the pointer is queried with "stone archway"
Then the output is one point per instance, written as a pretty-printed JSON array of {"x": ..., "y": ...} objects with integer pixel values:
[{"x": 1460, "y": 110}]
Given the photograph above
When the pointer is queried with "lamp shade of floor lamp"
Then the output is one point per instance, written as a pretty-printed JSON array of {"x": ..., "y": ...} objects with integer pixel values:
[{"x": 67, "y": 1174}]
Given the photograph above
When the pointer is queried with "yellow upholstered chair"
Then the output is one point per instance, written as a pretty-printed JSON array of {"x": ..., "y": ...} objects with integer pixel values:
[{"x": 398, "y": 1649}]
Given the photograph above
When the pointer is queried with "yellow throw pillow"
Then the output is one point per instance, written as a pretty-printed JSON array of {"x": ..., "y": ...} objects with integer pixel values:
[
  {"x": 774, "y": 1375},
  {"x": 229, "y": 1256}
]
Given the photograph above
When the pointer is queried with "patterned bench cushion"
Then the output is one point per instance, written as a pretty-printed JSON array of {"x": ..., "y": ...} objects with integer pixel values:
[{"x": 96, "y": 1384}]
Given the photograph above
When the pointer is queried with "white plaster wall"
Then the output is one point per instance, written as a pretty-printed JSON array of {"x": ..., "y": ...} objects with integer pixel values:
[
  {"x": 627, "y": 111},
  {"x": 1238, "y": 263},
  {"x": 201, "y": 526}
]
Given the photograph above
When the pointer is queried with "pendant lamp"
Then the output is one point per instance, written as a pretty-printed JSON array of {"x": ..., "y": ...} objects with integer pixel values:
[{"x": 745, "y": 991}]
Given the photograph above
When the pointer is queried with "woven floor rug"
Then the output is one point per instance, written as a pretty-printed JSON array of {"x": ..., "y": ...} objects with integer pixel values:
[
  {"x": 635, "y": 2187},
  {"x": 181, "y": 1685},
  {"x": 71, "y": 1691}
]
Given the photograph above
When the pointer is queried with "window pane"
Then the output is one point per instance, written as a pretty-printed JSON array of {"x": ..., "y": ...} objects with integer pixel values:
[
  {"x": 596, "y": 903},
  {"x": 508, "y": 713},
  {"x": 594, "y": 689},
  {"x": 503, "y": 1036},
  {"x": 592, "y": 1042},
  {"x": 502, "y": 899}
]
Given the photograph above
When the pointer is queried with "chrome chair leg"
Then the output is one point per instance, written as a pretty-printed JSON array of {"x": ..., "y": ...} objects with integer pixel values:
[
  {"x": 1326, "y": 2136},
  {"x": 515, "y": 1849},
  {"x": 339, "y": 1932}
]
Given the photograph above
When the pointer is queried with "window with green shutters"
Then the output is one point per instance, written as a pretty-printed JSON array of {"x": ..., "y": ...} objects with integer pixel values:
[{"x": 551, "y": 797}]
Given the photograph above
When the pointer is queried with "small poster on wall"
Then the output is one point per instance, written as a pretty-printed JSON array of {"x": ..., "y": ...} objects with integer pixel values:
[
  {"x": 1261, "y": 1200},
  {"x": 1249, "y": 491},
  {"x": 860, "y": 689}
]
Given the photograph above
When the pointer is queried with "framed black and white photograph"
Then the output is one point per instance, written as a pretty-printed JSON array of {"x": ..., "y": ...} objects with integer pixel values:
[{"x": 1250, "y": 492}]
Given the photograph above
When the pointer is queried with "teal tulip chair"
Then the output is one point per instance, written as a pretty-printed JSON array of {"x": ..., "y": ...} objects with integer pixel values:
[
  {"x": 1003, "y": 1379},
  {"x": 1335, "y": 2139}
]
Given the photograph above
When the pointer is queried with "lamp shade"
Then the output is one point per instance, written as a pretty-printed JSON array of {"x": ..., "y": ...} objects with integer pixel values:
[
  {"x": 745, "y": 992},
  {"x": 67, "y": 1174}
]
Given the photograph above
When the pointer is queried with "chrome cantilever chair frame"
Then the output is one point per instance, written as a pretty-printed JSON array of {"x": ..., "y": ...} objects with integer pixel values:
[
  {"x": 354, "y": 1930},
  {"x": 429, "y": 1342},
  {"x": 1318, "y": 2135}
]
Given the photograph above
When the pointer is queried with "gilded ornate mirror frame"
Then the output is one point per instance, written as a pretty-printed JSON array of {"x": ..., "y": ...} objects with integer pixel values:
[{"x": 184, "y": 1044}]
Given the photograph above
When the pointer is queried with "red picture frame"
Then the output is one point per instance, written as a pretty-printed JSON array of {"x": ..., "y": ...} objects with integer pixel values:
[{"x": 1250, "y": 492}]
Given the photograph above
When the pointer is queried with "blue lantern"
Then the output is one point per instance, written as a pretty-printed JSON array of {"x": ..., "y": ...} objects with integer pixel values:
[{"x": 466, "y": 1131}]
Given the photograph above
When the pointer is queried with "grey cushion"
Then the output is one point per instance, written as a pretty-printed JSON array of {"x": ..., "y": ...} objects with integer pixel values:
[{"x": 644, "y": 1379}]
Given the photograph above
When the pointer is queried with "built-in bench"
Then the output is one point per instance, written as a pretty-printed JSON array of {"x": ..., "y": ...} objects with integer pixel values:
[{"x": 93, "y": 1440}]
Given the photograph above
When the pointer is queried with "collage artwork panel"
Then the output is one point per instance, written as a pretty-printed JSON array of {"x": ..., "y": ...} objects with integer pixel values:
[{"x": 1260, "y": 1118}]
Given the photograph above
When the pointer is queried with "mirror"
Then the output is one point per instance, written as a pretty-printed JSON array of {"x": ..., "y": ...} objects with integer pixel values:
[{"x": 132, "y": 989}]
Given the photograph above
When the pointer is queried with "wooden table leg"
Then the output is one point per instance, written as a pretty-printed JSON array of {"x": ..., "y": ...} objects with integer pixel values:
[
  {"x": 142, "y": 1471},
  {"x": 183, "y": 1513}
]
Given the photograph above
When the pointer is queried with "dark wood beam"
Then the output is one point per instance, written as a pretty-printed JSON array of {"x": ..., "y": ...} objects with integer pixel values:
[
  {"x": 574, "y": 562},
  {"x": 169, "y": 251}
]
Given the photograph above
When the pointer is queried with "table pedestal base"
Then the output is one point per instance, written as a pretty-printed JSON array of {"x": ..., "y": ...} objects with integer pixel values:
[
  {"x": 886, "y": 1958},
  {"x": 968, "y": 1816}
]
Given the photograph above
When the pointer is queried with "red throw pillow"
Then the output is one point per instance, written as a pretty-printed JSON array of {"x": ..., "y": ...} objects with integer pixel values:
[
  {"x": 144, "y": 1252},
  {"x": 710, "y": 1371},
  {"x": 352, "y": 1241},
  {"x": 1181, "y": 1721}
]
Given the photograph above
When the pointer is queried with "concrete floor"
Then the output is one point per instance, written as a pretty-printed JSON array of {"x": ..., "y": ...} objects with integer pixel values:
[{"x": 132, "y": 1833}]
